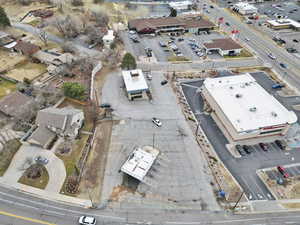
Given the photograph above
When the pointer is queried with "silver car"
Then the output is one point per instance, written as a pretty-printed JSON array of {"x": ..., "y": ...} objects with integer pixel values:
[{"x": 87, "y": 220}]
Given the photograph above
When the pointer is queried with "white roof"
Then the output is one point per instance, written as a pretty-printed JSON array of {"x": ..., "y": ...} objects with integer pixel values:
[
  {"x": 139, "y": 162},
  {"x": 136, "y": 82},
  {"x": 109, "y": 35},
  {"x": 246, "y": 104},
  {"x": 245, "y": 6},
  {"x": 180, "y": 4},
  {"x": 281, "y": 22},
  {"x": 10, "y": 45}
]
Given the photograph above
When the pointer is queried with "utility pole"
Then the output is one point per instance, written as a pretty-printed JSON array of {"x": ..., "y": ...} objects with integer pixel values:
[{"x": 153, "y": 138}]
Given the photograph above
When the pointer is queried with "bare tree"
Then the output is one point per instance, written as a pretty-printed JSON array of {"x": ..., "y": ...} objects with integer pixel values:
[
  {"x": 67, "y": 26},
  {"x": 94, "y": 35},
  {"x": 69, "y": 47},
  {"x": 101, "y": 18},
  {"x": 43, "y": 37},
  {"x": 25, "y": 2}
]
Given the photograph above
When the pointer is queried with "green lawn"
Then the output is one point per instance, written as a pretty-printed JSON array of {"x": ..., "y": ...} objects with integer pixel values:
[
  {"x": 7, "y": 154},
  {"x": 177, "y": 59},
  {"x": 6, "y": 87},
  {"x": 40, "y": 182},
  {"x": 244, "y": 54}
]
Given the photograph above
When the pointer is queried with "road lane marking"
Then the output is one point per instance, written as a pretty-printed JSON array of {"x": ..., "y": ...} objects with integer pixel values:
[{"x": 25, "y": 218}]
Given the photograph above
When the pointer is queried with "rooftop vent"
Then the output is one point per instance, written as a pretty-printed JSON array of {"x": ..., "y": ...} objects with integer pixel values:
[
  {"x": 247, "y": 84},
  {"x": 230, "y": 87},
  {"x": 134, "y": 74},
  {"x": 238, "y": 95},
  {"x": 253, "y": 109},
  {"x": 274, "y": 114}
]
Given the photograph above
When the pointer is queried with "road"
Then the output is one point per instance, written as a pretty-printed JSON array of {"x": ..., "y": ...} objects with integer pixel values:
[{"x": 261, "y": 44}]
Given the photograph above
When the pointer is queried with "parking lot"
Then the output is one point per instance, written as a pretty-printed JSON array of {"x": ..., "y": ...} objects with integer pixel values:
[
  {"x": 183, "y": 43},
  {"x": 178, "y": 177},
  {"x": 244, "y": 168},
  {"x": 274, "y": 174}
]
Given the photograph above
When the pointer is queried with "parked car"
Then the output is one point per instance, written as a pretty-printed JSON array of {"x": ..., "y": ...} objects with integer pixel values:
[
  {"x": 271, "y": 56},
  {"x": 211, "y": 6},
  {"x": 172, "y": 38},
  {"x": 132, "y": 32},
  {"x": 105, "y": 105},
  {"x": 163, "y": 82},
  {"x": 284, "y": 66},
  {"x": 263, "y": 146},
  {"x": 41, "y": 160},
  {"x": 291, "y": 50},
  {"x": 180, "y": 39},
  {"x": 162, "y": 44},
  {"x": 227, "y": 24},
  {"x": 87, "y": 220},
  {"x": 247, "y": 39},
  {"x": 156, "y": 122},
  {"x": 240, "y": 150},
  {"x": 148, "y": 52},
  {"x": 283, "y": 171},
  {"x": 247, "y": 149},
  {"x": 149, "y": 76},
  {"x": 295, "y": 40},
  {"x": 277, "y": 86},
  {"x": 280, "y": 144}
]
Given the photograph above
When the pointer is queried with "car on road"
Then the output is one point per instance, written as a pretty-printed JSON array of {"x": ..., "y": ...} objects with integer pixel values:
[
  {"x": 271, "y": 56},
  {"x": 156, "y": 121},
  {"x": 227, "y": 24},
  {"x": 41, "y": 160},
  {"x": 277, "y": 86},
  {"x": 149, "y": 76},
  {"x": 295, "y": 40},
  {"x": 162, "y": 44},
  {"x": 132, "y": 32},
  {"x": 280, "y": 144},
  {"x": 291, "y": 50},
  {"x": 105, "y": 105},
  {"x": 148, "y": 52},
  {"x": 180, "y": 39},
  {"x": 284, "y": 66},
  {"x": 211, "y": 6},
  {"x": 283, "y": 171},
  {"x": 87, "y": 220},
  {"x": 247, "y": 39},
  {"x": 247, "y": 149},
  {"x": 163, "y": 82},
  {"x": 263, "y": 146}
]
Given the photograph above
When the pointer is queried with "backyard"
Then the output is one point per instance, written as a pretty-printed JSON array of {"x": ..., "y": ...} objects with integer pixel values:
[{"x": 6, "y": 87}]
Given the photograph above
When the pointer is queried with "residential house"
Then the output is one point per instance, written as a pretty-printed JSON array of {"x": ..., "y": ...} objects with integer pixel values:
[
  {"x": 52, "y": 122},
  {"x": 26, "y": 48}
]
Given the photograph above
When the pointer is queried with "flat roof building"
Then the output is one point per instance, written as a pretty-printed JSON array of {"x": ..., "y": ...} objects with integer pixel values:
[
  {"x": 224, "y": 46},
  {"x": 181, "y": 6},
  {"x": 284, "y": 24},
  {"x": 135, "y": 84},
  {"x": 244, "y": 8},
  {"x": 139, "y": 162},
  {"x": 244, "y": 109}
]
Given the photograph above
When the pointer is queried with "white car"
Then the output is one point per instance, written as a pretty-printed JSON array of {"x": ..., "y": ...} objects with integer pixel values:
[
  {"x": 271, "y": 56},
  {"x": 87, "y": 220},
  {"x": 247, "y": 39},
  {"x": 156, "y": 122},
  {"x": 132, "y": 32}
]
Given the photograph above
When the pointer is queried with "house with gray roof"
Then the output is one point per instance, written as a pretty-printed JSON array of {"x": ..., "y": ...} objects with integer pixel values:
[{"x": 56, "y": 122}]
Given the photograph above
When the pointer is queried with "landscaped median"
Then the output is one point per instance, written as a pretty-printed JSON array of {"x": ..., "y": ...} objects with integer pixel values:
[
  {"x": 244, "y": 54},
  {"x": 36, "y": 176},
  {"x": 178, "y": 59}
]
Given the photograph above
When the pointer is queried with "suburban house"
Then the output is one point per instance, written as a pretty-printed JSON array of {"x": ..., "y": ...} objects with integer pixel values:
[
  {"x": 26, "y": 48},
  {"x": 284, "y": 24},
  {"x": 52, "y": 122},
  {"x": 135, "y": 84},
  {"x": 14, "y": 104},
  {"x": 108, "y": 38},
  {"x": 224, "y": 46},
  {"x": 6, "y": 41},
  {"x": 170, "y": 24},
  {"x": 244, "y": 8}
]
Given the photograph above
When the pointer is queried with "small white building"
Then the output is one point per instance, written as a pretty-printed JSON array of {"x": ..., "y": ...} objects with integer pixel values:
[
  {"x": 245, "y": 110},
  {"x": 244, "y": 8},
  {"x": 284, "y": 24},
  {"x": 181, "y": 6},
  {"x": 135, "y": 84},
  {"x": 108, "y": 38},
  {"x": 139, "y": 162}
]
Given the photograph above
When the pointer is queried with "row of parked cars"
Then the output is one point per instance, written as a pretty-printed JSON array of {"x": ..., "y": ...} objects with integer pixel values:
[{"x": 245, "y": 149}]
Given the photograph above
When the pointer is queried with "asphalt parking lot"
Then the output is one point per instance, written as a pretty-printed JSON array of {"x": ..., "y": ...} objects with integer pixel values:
[
  {"x": 178, "y": 177},
  {"x": 244, "y": 168},
  {"x": 274, "y": 174},
  {"x": 163, "y": 53}
]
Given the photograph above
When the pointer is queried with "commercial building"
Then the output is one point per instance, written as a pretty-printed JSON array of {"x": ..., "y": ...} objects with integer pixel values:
[
  {"x": 181, "y": 6},
  {"x": 135, "y": 84},
  {"x": 223, "y": 46},
  {"x": 170, "y": 24},
  {"x": 244, "y": 8},
  {"x": 245, "y": 110},
  {"x": 284, "y": 24},
  {"x": 139, "y": 162}
]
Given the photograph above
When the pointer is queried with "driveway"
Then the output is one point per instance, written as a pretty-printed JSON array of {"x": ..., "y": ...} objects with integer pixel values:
[
  {"x": 179, "y": 176},
  {"x": 55, "y": 167}
]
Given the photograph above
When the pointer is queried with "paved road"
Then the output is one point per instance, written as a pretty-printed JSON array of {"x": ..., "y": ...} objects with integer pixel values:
[{"x": 262, "y": 45}]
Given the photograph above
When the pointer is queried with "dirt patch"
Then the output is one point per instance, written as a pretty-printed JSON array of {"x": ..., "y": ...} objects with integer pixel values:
[
  {"x": 291, "y": 205},
  {"x": 7, "y": 154},
  {"x": 92, "y": 180},
  {"x": 8, "y": 60}
]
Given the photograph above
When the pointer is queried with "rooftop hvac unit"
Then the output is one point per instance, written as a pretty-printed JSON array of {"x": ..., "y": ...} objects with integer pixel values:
[
  {"x": 230, "y": 87},
  {"x": 238, "y": 95},
  {"x": 274, "y": 114},
  {"x": 134, "y": 74},
  {"x": 252, "y": 109}
]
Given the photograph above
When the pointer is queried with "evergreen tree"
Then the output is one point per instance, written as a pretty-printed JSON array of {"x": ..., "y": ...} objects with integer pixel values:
[
  {"x": 128, "y": 62},
  {"x": 4, "y": 20}
]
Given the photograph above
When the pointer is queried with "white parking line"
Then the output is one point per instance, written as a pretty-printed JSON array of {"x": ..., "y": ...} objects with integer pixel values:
[
  {"x": 258, "y": 187},
  {"x": 249, "y": 189}
]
